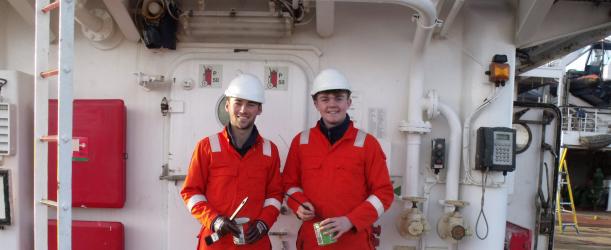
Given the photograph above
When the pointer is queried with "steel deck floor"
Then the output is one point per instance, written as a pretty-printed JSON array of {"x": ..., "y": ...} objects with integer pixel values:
[{"x": 594, "y": 232}]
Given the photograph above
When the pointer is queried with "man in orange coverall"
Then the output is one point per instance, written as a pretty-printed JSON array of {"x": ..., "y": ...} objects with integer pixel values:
[
  {"x": 337, "y": 172},
  {"x": 233, "y": 164}
]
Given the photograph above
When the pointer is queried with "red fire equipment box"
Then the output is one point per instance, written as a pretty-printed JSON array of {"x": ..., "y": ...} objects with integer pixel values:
[
  {"x": 517, "y": 237},
  {"x": 91, "y": 235},
  {"x": 99, "y": 155}
]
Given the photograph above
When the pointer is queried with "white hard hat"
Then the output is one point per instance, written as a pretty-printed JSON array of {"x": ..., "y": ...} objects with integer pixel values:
[
  {"x": 247, "y": 87},
  {"x": 329, "y": 79}
]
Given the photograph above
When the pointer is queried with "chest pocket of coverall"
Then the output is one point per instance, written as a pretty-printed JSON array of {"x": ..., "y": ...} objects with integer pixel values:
[
  {"x": 257, "y": 181},
  {"x": 350, "y": 171},
  {"x": 220, "y": 180},
  {"x": 312, "y": 173}
]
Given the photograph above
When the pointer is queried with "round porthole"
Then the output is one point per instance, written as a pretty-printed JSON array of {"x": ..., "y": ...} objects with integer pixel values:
[
  {"x": 523, "y": 136},
  {"x": 221, "y": 114}
]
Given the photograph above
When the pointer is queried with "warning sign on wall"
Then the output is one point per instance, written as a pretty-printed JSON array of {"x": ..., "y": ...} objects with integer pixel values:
[
  {"x": 210, "y": 75},
  {"x": 80, "y": 149},
  {"x": 276, "y": 77}
]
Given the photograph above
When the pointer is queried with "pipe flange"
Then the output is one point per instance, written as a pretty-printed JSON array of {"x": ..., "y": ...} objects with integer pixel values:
[
  {"x": 415, "y": 199},
  {"x": 455, "y": 203},
  {"x": 415, "y": 127},
  {"x": 451, "y": 227},
  {"x": 458, "y": 232},
  {"x": 105, "y": 31},
  {"x": 432, "y": 110}
]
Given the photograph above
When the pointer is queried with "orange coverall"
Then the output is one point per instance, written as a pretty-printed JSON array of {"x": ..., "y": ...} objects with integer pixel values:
[
  {"x": 219, "y": 179},
  {"x": 348, "y": 178}
]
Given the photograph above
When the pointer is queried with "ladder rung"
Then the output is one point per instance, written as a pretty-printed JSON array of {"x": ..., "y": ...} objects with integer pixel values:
[
  {"x": 49, "y": 73},
  {"x": 49, "y": 203},
  {"x": 48, "y": 138},
  {"x": 50, "y": 7},
  {"x": 565, "y": 203}
]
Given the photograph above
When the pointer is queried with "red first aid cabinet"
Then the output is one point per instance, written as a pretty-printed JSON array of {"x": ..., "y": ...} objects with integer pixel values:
[
  {"x": 91, "y": 235},
  {"x": 98, "y": 157}
]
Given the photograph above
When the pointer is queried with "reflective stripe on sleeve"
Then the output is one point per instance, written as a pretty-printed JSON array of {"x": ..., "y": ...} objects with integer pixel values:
[
  {"x": 215, "y": 145},
  {"x": 360, "y": 139},
  {"x": 267, "y": 148},
  {"x": 304, "y": 138},
  {"x": 194, "y": 200},
  {"x": 293, "y": 190},
  {"x": 376, "y": 203},
  {"x": 272, "y": 202}
]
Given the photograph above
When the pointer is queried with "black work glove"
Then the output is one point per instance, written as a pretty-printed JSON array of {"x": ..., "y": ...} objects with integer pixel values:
[
  {"x": 222, "y": 225},
  {"x": 256, "y": 232}
]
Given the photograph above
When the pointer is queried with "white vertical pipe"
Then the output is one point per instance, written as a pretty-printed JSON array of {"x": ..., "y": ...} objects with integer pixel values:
[
  {"x": 41, "y": 118},
  {"x": 422, "y": 37},
  {"x": 64, "y": 137},
  {"x": 411, "y": 177},
  {"x": 455, "y": 143}
]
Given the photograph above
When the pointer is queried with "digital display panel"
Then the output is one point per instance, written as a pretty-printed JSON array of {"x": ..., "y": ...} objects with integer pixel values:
[{"x": 502, "y": 137}]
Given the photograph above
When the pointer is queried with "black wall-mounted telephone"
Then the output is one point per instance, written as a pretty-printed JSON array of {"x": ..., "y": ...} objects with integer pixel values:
[{"x": 496, "y": 149}]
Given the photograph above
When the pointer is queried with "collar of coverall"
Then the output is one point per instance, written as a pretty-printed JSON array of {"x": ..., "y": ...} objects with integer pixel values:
[
  {"x": 335, "y": 133},
  {"x": 252, "y": 139}
]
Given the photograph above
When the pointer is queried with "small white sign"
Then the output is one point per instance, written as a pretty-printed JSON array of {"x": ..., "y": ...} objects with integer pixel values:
[
  {"x": 276, "y": 78},
  {"x": 210, "y": 75},
  {"x": 377, "y": 122},
  {"x": 356, "y": 110}
]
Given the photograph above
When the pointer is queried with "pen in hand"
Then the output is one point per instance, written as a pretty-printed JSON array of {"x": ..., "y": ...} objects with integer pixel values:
[
  {"x": 305, "y": 216},
  {"x": 300, "y": 204}
]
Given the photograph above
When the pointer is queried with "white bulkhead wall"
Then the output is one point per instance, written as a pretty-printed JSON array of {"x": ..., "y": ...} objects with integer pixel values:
[
  {"x": 18, "y": 92},
  {"x": 3, "y": 13},
  {"x": 483, "y": 24},
  {"x": 371, "y": 45}
]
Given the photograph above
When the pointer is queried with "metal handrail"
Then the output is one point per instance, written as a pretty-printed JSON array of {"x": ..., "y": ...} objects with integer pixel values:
[{"x": 585, "y": 119}]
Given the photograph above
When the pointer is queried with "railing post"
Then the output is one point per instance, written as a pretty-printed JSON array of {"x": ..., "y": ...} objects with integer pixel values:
[
  {"x": 596, "y": 120},
  {"x": 569, "y": 118}
]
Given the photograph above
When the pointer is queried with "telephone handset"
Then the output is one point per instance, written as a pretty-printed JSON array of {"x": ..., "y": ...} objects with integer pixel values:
[{"x": 496, "y": 149}]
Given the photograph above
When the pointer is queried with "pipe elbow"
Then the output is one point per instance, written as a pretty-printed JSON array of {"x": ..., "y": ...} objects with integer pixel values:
[{"x": 426, "y": 9}]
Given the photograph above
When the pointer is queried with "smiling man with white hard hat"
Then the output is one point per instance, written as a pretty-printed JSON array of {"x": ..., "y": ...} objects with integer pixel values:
[
  {"x": 336, "y": 174},
  {"x": 231, "y": 165}
]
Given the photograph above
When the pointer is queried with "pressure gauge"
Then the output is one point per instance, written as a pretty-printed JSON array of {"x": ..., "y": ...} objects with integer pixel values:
[
  {"x": 523, "y": 136},
  {"x": 221, "y": 114}
]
